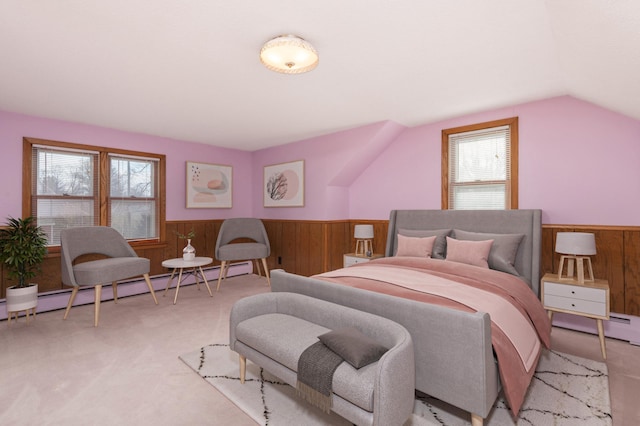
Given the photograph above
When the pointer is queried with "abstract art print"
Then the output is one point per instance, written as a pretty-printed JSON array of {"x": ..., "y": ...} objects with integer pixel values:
[
  {"x": 208, "y": 185},
  {"x": 284, "y": 184}
]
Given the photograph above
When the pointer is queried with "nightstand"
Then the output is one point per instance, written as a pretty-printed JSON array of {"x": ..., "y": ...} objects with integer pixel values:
[
  {"x": 589, "y": 299},
  {"x": 352, "y": 258}
]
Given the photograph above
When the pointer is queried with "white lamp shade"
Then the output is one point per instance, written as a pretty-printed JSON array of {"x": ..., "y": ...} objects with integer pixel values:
[
  {"x": 363, "y": 232},
  {"x": 576, "y": 243}
]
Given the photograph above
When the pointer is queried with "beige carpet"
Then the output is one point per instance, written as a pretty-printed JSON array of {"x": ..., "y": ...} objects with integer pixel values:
[{"x": 566, "y": 391}]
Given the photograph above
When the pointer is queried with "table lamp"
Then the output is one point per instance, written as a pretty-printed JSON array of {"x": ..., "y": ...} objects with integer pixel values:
[
  {"x": 364, "y": 237},
  {"x": 576, "y": 246}
]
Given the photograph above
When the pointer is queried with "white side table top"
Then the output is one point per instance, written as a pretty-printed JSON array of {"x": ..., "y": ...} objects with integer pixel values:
[{"x": 179, "y": 262}]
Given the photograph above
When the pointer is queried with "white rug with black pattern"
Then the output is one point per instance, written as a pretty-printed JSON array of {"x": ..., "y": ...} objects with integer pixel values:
[{"x": 566, "y": 390}]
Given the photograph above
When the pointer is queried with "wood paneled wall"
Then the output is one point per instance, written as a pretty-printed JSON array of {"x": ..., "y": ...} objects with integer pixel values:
[
  {"x": 617, "y": 260},
  {"x": 312, "y": 247}
]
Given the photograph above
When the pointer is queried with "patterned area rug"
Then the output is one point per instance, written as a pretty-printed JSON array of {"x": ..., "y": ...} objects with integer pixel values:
[{"x": 565, "y": 391}]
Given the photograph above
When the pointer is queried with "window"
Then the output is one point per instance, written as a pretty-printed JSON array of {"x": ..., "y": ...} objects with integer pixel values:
[
  {"x": 480, "y": 166},
  {"x": 70, "y": 185}
]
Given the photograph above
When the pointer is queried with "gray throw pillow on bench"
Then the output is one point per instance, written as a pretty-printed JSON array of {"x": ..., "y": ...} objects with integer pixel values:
[{"x": 353, "y": 346}]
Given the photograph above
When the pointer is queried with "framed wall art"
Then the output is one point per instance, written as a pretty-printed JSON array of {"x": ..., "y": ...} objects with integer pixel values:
[
  {"x": 209, "y": 185},
  {"x": 283, "y": 184}
]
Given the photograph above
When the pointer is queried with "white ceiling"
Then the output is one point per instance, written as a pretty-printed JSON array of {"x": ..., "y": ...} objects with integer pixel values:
[{"x": 189, "y": 69}]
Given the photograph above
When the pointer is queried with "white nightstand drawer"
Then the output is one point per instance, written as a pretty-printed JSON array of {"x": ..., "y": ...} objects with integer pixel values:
[
  {"x": 352, "y": 259},
  {"x": 574, "y": 292},
  {"x": 576, "y": 305}
]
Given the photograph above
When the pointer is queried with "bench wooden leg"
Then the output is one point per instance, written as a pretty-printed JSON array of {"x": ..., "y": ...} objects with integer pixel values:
[
  {"x": 243, "y": 368},
  {"x": 476, "y": 420}
]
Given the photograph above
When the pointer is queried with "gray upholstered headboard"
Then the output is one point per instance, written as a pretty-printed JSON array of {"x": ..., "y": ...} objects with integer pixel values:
[{"x": 526, "y": 222}]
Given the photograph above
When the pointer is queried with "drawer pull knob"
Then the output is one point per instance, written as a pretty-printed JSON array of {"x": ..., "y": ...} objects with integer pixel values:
[
  {"x": 573, "y": 305},
  {"x": 573, "y": 292}
]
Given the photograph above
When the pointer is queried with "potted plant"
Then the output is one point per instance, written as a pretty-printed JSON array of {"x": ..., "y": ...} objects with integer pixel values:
[
  {"x": 188, "y": 253},
  {"x": 23, "y": 246}
]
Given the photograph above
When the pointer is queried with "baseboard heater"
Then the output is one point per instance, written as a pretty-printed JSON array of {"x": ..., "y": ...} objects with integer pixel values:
[
  {"x": 619, "y": 326},
  {"x": 55, "y": 300}
]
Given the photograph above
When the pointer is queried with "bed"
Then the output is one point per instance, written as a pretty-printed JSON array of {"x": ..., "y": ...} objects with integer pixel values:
[{"x": 459, "y": 350}]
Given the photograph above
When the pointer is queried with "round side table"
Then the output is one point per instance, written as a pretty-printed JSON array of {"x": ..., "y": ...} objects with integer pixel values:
[{"x": 194, "y": 267}]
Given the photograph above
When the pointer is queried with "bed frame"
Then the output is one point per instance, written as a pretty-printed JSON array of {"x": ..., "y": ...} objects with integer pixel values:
[{"x": 453, "y": 351}]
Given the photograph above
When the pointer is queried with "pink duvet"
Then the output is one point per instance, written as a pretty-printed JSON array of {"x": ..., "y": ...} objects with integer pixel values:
[{"x": 519, "y": 322}]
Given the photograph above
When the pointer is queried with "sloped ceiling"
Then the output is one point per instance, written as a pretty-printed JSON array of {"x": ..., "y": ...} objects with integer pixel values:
[{"x": 190, "y": 70}]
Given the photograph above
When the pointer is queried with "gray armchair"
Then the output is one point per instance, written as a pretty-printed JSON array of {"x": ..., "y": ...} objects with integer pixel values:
[
  {"x": 227, "y": 251},
  {"x": 121, "y": 262}
]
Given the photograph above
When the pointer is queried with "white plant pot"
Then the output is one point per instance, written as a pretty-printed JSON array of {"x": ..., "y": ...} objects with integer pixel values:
[{"x": 21, "y": 299}]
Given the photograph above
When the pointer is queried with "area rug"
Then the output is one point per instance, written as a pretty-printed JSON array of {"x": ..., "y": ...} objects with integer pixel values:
[{"x": 566, "y": 391}]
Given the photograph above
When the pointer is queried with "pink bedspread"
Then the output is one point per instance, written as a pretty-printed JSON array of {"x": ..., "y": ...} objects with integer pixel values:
[{"x": 513, "y": 374}]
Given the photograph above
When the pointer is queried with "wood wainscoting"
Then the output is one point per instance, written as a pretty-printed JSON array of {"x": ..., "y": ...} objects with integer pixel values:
[
  {"x": 308, "y": 247},
  {"x": 304, "y": 247},
  {"x": 617, "y": 261}
]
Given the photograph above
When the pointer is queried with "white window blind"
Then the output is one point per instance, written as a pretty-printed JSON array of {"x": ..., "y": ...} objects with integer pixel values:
[
  {"x": 133, "y": 196},
  {"x": 480, "y": 169},
  {"x": 65, "y": 189}
]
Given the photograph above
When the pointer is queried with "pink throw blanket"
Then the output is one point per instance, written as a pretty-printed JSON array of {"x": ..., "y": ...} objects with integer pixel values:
[{"x": 514, "y": 362}]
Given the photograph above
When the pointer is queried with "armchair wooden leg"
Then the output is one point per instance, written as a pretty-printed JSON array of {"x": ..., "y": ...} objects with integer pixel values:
[
  {"x": 96, "y": 314},
  {"x": 257, "y": 262},
  {"x": 266, "y": 271},
  {"x": 222, "y": 273},
  {"x": 114, "y": 285},
  {"x": 243, "y": 368},
  {"x": 71, "y": 299},
  {"x": 153, "y": 293}
]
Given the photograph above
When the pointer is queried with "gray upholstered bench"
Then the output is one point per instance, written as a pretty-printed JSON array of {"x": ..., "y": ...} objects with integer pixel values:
[{"x": 273, "y": 329}]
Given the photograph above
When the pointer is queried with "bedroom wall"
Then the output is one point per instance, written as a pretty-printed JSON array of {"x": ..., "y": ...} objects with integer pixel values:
[
  {"x": 13, "y": 127},
  {"x": 575, "y": 161},
  {"x": 332, "y": 163},
  {"x": 578, "y": 163}
]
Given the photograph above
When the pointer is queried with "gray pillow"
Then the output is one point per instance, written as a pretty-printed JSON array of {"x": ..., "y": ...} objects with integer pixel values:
[
  {"x": 439, "y": 247},
  {"x": 353, "y": 346},
  {"x": 504, "y": 249}
]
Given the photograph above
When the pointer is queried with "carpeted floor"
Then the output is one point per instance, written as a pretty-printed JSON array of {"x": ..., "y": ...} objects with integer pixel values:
[{"x": 566, "y": 390}]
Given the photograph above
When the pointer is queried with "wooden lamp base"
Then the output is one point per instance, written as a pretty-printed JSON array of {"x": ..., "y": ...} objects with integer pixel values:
[
  {"x": 579, "y": 260},
  {"x": 363, "y": 247}
]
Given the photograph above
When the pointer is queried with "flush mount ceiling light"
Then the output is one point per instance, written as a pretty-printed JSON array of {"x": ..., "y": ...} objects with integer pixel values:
[{"x": 289, "y": 54}]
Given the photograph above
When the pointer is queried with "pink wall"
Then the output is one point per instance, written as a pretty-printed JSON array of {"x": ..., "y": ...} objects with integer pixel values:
[
  {"x": 13, "y": 127},
  {"x": 579, "y": 163},
  {"x": 332, "y": 163}
]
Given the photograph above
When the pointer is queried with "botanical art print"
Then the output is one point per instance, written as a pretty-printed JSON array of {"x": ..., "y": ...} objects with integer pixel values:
[
  {"x": 284, "y": 185},
  {"x": 208, "y": 185}
]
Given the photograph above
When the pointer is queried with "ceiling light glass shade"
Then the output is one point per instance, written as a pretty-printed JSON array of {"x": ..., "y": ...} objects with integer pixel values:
[
  {"x": 289, "y": 54},
  {"x": 576, "y": 243}
]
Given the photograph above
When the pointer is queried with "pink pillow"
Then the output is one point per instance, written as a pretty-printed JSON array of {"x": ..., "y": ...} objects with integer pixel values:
[
  {"x": 470, "y": 252},
  {"x": 415, "y": 246}
]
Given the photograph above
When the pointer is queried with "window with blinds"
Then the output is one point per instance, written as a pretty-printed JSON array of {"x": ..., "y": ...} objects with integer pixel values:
[
  {"x": 133, "y": 196},
  {"x": 480, "y": 166},
  {"x": 73, "y": 185},
  {"x": 65, "y": 189}
]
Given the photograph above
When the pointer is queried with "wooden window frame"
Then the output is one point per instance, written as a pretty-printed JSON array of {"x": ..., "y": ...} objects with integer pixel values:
[
  {"x": 104, "y": 184},
  {"x": 513, "y": 181}
]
